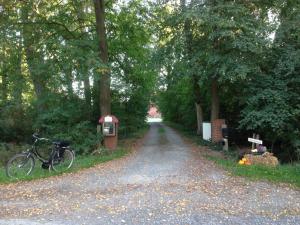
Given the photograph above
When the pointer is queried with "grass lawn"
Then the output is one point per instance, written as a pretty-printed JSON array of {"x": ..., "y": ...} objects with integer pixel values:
[{"x": 81, "y": 161}]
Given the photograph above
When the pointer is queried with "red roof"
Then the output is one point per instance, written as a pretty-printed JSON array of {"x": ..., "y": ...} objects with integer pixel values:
[
  {"x": 114, "y": 119},
  {"x": 153, "y": 112}
]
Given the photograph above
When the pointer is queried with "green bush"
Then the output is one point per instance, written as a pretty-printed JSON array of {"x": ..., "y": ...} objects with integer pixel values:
[
  {"x": 8, "y": 150},
  {"x": 15, "y": 123},
  {"x": 68, "y": 121}
]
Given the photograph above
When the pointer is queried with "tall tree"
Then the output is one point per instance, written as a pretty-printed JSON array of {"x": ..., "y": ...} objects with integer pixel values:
[
  {"x": 104, "y": 81},
  {"x": 215, "y": 101},
  {"x": 272, "y": 106},
  {"x": 82, "y": 9},
  {"x": 189, "y": 42},
  {"x": 4, "y": 86},
  {"x": 34, "y": 57}
]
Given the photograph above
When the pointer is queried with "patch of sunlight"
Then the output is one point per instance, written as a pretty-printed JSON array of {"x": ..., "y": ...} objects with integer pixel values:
[{"x": 153, "y": 120}]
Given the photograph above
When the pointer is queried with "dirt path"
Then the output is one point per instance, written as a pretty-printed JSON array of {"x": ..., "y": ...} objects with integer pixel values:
[{"x": 165, "y": 182}]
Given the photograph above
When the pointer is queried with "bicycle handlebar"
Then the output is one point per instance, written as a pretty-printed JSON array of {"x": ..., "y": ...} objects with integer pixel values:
[{"x": 36, "y": 136}]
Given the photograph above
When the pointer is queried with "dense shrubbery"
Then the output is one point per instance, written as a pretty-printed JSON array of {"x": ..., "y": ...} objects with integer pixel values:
[
  {"x": 15, "y": 122},
  {"x": 50, "y": 72},
  {"x": 237, "y": 66}
]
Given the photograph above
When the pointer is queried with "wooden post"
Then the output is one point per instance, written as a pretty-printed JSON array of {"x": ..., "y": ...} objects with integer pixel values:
[
  {"x": 98, "y": 128},
  {"x": 253, "y": 136},
  {"x": 257, "y": 137}
]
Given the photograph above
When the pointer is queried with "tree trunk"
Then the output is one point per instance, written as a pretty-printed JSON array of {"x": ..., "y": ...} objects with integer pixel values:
[
  {"x": 197, "y": 99},
  {"x": 199, "y": 113},
  {"x": 86, "y": 80},
  {"x": 4, "y": 87},
  {"x": 87, "y": 91},
  {"x": 33, "y": 58},
  {"x": 96, "y": 97},
  {"x": 189, "y": 50},
  {"x": 88, "y": 96},
  {"x": 215, "y": 103},
  {"x": 104, "y": 81},
  {"x": 69, "y": 81},
  {"x": 18, "y": 81}
]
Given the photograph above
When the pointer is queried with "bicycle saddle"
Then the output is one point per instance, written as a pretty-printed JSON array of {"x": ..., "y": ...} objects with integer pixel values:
[{"x": 62, "y": 144}]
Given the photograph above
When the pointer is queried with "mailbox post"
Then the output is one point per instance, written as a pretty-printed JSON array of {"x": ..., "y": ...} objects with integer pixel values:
[{"x": 109, "y": 129}]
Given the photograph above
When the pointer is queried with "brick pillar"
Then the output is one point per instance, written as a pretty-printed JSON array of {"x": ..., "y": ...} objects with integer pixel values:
[{"x": 216, "y": 130}]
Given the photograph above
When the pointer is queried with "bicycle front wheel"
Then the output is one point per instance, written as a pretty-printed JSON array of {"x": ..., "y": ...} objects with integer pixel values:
[
  {"x": 21, "y": 165},
  {"x": 62, "y": 163}
]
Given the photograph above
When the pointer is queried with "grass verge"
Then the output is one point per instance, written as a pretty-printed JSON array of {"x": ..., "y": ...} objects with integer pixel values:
[
  {"x": 81, "y": 161},
  {"x": 286, "y": 173},
  {"x": 161, "y": 130}
]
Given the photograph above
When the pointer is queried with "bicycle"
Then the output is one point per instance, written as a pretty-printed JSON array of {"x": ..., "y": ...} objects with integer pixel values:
[{"x": 22, "y": 164}]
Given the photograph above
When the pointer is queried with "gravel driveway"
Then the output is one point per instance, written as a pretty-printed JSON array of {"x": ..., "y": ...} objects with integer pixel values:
[{"x": 167, "y": 181}]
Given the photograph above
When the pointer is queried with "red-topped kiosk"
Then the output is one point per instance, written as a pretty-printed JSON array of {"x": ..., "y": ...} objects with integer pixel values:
[{"x": 109, "y": 129}]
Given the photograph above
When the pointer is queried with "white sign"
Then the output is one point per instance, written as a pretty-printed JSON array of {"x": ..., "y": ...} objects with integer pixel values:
[
  {"x": 108, "y": 119},
  {"x": 256, "y": 141}
]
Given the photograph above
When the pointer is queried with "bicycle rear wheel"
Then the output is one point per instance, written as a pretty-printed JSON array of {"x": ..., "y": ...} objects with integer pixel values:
[
  {"x": 19, "y": 166},
  {"x": 64, "y": 162}
]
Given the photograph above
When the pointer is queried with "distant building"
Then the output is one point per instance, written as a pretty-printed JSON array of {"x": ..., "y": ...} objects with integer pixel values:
[{"x": 153, "y": 112}]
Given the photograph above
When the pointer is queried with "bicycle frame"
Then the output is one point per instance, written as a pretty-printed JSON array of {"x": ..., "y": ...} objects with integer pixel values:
[
  {"x": 32, "y": 151},
  {"x": 54, "y": 161}
]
